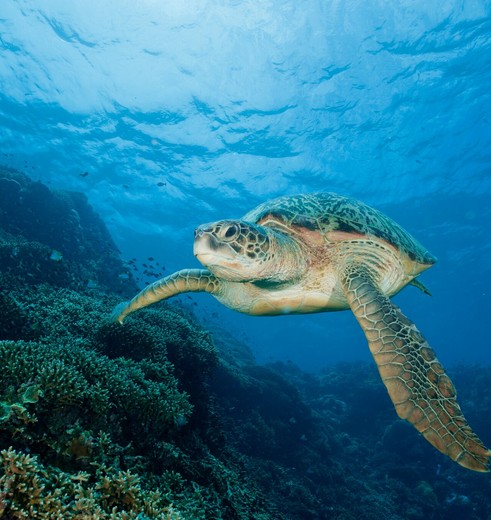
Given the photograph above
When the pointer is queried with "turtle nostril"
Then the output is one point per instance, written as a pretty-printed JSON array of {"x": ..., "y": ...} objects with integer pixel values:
[{"x": 201, "y": 230}]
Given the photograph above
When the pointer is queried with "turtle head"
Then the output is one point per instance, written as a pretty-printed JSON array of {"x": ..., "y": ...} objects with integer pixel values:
[{"x": 240, "y": 251}]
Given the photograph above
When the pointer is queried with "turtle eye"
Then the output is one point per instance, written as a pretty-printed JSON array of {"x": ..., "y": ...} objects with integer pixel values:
[{"x": 231, "y": 232}]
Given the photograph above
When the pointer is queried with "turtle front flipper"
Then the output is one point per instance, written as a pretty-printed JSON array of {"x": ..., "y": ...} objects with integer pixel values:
[
  {"x": 417, "y": 384},
  {"x": 187, "y": 280}
]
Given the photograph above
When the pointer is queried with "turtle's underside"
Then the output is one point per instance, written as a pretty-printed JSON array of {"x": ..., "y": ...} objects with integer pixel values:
[{"x": 324, "y": 252}]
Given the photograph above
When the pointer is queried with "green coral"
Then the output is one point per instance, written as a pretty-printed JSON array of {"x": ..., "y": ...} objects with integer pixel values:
[
  {"x": 13, "y": 321},
  {"x": 85, "y": 388},
  {"x": 80, "y": 410}
]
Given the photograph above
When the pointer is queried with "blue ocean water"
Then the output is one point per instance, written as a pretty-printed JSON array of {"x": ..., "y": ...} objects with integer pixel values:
[{"x": 171, "y": 114}]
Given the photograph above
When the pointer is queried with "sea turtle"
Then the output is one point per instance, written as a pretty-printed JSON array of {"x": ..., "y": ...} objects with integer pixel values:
[{"x": 325, "y": 252}]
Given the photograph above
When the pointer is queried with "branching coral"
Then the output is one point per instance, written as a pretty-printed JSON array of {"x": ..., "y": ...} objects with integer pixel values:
[
  {"x": 79, "y": 386},
  {"x": 30, "y": 490},
  {"x": 13, "y": 321},
  {"x": 85, "y": 413}
]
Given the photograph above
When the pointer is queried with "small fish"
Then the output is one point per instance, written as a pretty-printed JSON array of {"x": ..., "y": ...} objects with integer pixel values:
[
  {"x": 160, "y": 184},
  {"x": 91, "y": 284},
  {"x": 123, "y": 276},
  {"x": 84, "y": 174},
  {"x": 55, "y": 255}
]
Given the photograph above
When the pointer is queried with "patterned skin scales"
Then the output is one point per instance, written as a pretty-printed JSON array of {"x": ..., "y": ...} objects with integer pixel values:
[{"x": 324, "y": 252}]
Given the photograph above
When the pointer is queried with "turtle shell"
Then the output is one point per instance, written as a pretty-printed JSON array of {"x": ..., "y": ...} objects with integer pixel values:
[{"x": 325, "y": 212}]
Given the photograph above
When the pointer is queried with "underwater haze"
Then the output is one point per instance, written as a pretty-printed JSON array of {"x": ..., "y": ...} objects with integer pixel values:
[{"x": 170, "y": 114}]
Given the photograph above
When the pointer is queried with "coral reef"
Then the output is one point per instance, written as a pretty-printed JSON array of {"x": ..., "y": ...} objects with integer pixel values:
[
  {"x": 28, "y": 490},
  {"x": 402, "y": 474},
  {"x": 56, "y": 237},
  {"x": 79, "y": 410}
]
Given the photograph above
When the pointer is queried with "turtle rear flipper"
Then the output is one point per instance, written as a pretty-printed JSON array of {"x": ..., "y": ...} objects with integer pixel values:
[
  {"x": 417, "y": 384},
  {"x": 420, "y": 285}
]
